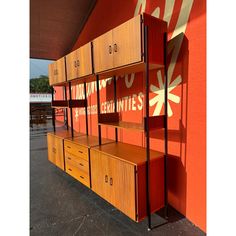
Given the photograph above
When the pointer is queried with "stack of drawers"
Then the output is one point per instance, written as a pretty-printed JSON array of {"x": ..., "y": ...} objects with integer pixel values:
[{"x": 77, "y": 162}]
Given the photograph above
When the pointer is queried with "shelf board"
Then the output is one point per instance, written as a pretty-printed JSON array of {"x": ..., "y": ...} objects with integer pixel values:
[
  {"x": 64, "y": 133},
  {"x": 124, "y": 125},
  {"x": 132, "y": 154},
  {"x": 77, "y": 103},
  {"x": 112, "y": 119},
  {"x": 59, "y": 104},
  {"x": 88, "y": 140}
]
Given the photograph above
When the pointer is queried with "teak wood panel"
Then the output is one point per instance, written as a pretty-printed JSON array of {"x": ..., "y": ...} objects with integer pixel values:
[
  {"x": 103, "y": 52},
  {"x": 61, "y": 75},
  {"x": 85, "y": 60},
  {"x": 127, "y": 42},
  {"x": 55, "y": 151},
  {"x": 71, "y": 65},
  {"x": 114, "y": 180},
  {"x": 76, "y": 150},
  {"x": 78, "y": 174}
]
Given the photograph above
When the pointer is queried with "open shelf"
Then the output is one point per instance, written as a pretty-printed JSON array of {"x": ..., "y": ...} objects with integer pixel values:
[{"x": 113, "y": 120}]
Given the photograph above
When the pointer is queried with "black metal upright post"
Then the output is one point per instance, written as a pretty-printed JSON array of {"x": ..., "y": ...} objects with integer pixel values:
[
  {"x": 98, "y": 109},
  {"x": 66, "y": 111},
  {"x": 166, "y": 127},
  {"x": 115, "y": 106},
  {"x": 71, "y": 112},
  {"x": 53, "y": 112},
  {"x": 146, "y": 59},
  {"x": 86, "y": 108}
]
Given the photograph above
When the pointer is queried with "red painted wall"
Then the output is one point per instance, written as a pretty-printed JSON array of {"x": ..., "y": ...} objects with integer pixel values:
[{"x": 187, "y": 94}]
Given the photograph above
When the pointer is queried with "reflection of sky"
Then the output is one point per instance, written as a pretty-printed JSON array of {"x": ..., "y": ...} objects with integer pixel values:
[{"x": 38, "y": 67}]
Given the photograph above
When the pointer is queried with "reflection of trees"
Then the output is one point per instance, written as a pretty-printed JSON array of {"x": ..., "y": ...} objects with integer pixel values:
[{"x": 40, "y": 85}]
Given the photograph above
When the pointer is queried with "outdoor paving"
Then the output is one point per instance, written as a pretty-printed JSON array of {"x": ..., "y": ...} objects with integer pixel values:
[{"x": 60, "y": 205}]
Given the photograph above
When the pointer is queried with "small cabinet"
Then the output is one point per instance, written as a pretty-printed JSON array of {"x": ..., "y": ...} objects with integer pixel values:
[
  {"x": 56, "y": 72},
  {"x": 79, "y": 62},
  {"x": 122, "y": 48},
  {"x": 55, "y": 150},
  {"x": 118, "y": 175}
]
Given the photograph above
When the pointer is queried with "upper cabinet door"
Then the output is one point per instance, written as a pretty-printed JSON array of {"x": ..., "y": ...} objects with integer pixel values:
[
  {"x": 127, "y": 42},
  {"x": 61, "y": 75},
  {"x": 103, "y": 52},
  {"x": 84, "y": 60},
  {"x": 72, "y": 62},
  {"x": 52, "y": 73}
]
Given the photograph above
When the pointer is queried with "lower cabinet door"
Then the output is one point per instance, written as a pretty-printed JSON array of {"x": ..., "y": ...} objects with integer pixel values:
[
  {"x": 55, "y": 151},
  {"x": 114, "y": 180}
]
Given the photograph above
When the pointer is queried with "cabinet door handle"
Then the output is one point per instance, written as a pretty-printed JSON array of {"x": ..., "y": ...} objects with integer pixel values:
[
  {"x": 81, "y": 177},
  {"x": 111, "y": 181},
  {"x": 70, "y": 169},
  {"x": 75, "y": 64},
  {"x": 54, "y": 150},
  {"x": 106, "y": 178},
  {"x": 115, "y": 47},
  {"x": 81, "y": 164},
  {"x": 110, "y": 49}
]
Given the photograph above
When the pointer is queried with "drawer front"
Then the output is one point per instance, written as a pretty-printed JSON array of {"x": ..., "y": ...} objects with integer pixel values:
[
  {"x": 55, "y": 151},
  {"x": 80, "y": 163},
  {"x": 76, "y": 150},
  {"x": 77, "y": 173}
]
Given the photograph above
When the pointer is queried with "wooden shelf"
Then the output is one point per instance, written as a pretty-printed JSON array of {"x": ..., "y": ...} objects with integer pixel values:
[
  {"x": 77, "y": 103},
  {"x": 112, "y": 119},
  {"x": 64, "y": 133},
  {"x": 133, "y": 154},
  {"x": 59, "y": 104},
  {"x": 88, "y": 141}
]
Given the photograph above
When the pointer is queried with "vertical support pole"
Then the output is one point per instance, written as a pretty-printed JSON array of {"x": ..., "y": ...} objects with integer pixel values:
[
  {"x": 166, "y": 126},
  {"x": 98, "y": 109},
  {"x": 86, "y": 108},
  {"x": 53, "y": 112},
  {"x": 115, "y": 105},
  {"x": 146, "y": 59},
  {"x": 66, "y": 110},
  {"x": 71, "y": 112}
]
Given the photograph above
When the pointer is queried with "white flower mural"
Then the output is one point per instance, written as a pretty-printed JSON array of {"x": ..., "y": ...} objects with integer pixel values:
[{"x": 159, "y": 98}]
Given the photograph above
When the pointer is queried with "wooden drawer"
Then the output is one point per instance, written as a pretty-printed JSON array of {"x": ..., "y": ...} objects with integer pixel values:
[
  {"x": 80, "y": 163},
  {"x": 76, "y": 150},
  {"x": 78, "y": 174}
]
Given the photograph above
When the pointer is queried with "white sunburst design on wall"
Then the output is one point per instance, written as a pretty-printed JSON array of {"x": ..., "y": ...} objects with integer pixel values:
[{"x": 160, "y": 92}]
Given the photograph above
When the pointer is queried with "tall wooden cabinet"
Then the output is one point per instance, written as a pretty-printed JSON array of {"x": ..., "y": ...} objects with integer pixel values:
[{"x": 56, "y": 72}]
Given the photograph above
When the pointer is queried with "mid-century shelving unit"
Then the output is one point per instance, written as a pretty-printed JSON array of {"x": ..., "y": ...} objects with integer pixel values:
[{"x": 130, "y": 177}]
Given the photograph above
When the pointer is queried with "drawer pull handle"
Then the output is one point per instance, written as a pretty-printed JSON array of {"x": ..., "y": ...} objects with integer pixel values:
[
  {"x": 81, "y": 177},
  {"x": 81, "y": 164},
  {"x": 80, "y": 152},
  {"x": 111, "y": 181},
  {"x": 115, "y": 47},
  {"x": 110, "y": 49},
  {"x": 69, "y": 158},
  {"x": 106, "y": 178},
  {"x": 70, "y": 169},
  {"x": 54, "y": 150},
  {"x": 68, "y": 146},
  {"x": 75, "y": 64}
]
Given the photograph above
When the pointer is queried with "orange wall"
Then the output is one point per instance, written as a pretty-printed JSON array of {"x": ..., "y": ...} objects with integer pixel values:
[{"x": 187, "y": 94}]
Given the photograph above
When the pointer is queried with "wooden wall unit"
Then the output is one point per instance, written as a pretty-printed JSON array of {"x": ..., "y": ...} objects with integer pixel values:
[
  {"x": 118, "y": 175},
  {"x": 56, "y": 72},
  {"x": 79, "y": 62}
]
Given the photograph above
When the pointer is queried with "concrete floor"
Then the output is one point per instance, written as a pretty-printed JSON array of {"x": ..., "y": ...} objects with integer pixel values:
[{"x": 60, "y": 205}]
